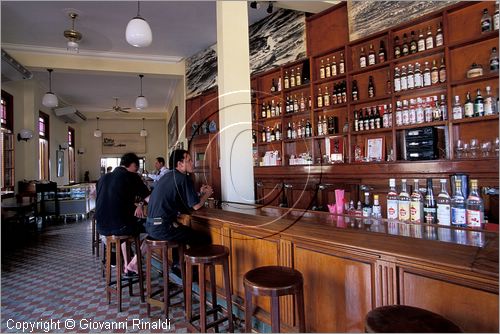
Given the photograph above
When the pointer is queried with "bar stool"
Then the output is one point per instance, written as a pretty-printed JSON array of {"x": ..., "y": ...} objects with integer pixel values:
[
  {"x": 96, "y": 241},
  {"x": 407, "y": 319},
  {"x": 274, "y": 281},
  {"x": 116, "y": 241},
  {"x": 207, "y": 256},
  {"x": 162, "y": 246}
]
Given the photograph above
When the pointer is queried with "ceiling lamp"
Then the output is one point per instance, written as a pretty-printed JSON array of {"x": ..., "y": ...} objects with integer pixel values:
[
  {"x": 141, "y": 102},
  {"x": 143, "y": 132},
  {"x": 270, "y": 8},
  {"x": 138, "y": 32},
  {"x": 97, "y": 132},
  {"x": 72, "y": 35},
  {"x": 50, "y": 99}
]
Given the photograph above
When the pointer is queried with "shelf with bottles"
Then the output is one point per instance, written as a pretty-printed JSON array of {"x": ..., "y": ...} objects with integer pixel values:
[
  {"x": 426, "y": 72},
  {"x": 465, "y": 60},
  {"x": 422, "y": 110},
  {"x": 304, "y": 113},
  {"x": 297, "y": 102},
  {"x": 475, "y": 119},
  {"x": 329, "y": 149},
  {"x": 331, "y": 65},
  {"x": 371, "y": 100},
  {"x": 295, "y": 75},
  {"x": 372, "y": 119},
  {"x": 268, "y": 84},
  {"x": 370, "y": 85},
  {"x": 328, "y": 124},
  {"x": 475, "y": 100},
  {"x": 327, "y": 95},
  {"x": 270, "y": 110},
  {"x": 297, "y": 129},
  {"x": 369, "y": 53},
  {"x": 270, "y": 133}
]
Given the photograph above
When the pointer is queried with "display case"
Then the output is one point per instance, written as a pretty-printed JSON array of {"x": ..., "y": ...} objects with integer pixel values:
[{"x": 78, "y": 199}]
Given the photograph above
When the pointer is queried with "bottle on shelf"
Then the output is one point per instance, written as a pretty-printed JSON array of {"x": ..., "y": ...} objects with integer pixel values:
[
  {"x": 328, "y": 69},
  {"x": 320, "y": 98},
  {"x": 439, "y": 35},
  {"x": 294, "y": 131},
  {"x": 421, "y": 41},
  {"x": 254, "y": 137},
  {"x": 416, "y": 204},
  {"x": 392, "y": 201},
  {"x": 443, "y": 205},
  {"x": 361, "y": 121},
  {"x": 341, "y": 64},
  {"x": 397, "y": 80},
  {"x": 324, "y": 126},
  {"x": 367, "y": 207},
  {"x": 264, "y": 136},
  {"x": 273, "y": 109},
  {"x": 289, "y": 131},
  {"x": 443, "y": 106},
  {"x": 427, "y": 75},
  {"x": 326, "y": 97},
  {"x": 474, "y": 207},
  {"x": 428, "y": 109},
  {"x": 418, "y": 79},
  {"x": 371, "y": 56},
  {"x": 296, "y": 106},
  {"x": 404, "y": 79},
  {"x": 429, "y": 39},
  {"x": 343, "y": 92},
  {"x": 355, "y": 121},
  {"x": 458, "y": 212},
  {"x": 376, "y": 208},
  {"x": 322, "y": 70},
  {"x": 292, "y": 79},
  {"x": 413, "y": 43},
  {"x": 489, "y": 104},
  {"x": 397, "y": 48},
  {"x": 279, "y": 84},
  {"x": 377, "y": 118},
  {"x": 442, "y": 71},
  {"x": 355, "y": 92},
  {"x": 430, "y": 210},
  {"x": 273, "y": 86},
  {"x": 406, "y": 113},
  {"x": 268, "y": 134},
  {"x": 308, "y": 130},
  {"x": 405, "y": 49},
  {"x": 388, "y": 84},
  {"x": 320, "y": 126},
  {"x": 366, "y": 119},
  {"x": 334, "y": 67},
  {"x": 263, "y": 112},
  {"x": 302, "y": 102},
  {"x": 496, "y": 17},
  {"x": 278, "y": 132},
  {"x": 371, "y": 87},
  {"x": 468, "y": 106},
  {"x": 334, "y": 94},
  {"x": 362, "y": 58},
  {"x": 382, "y": 53},
  {"x": 399, "y": 114},
  {"x": 286, "y": 82},
  {"x": 434, "y": 73},
  {"x": 478, "y": 104},
  {"x": 298, "y": 77},
  {"x": 486, "y": 21},
  {"x": 419, "y": 111},
  {"x": 403, "y": 203},
  {"x": 494, "y": 60},
  {"x": 457, "y": 110},
  {"x": 410, "y": 78},
  {"x": 412, "y": 113}
]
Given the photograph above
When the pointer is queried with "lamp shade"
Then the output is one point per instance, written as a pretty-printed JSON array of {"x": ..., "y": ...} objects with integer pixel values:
[
  {"x": 97, "y": 133},
  {"x": 141, "y": 102},
  {"x": 72, "y": 46},
  {"x": 144, "y": 133},
  {"x": 50, "y": 100},
  {"x": 138, "y": 32}
]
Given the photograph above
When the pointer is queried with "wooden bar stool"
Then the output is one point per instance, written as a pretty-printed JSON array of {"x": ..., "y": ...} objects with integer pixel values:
[
  {"x": 407, "y": 319},
  {"x": 203, "y": 257},
  {"x": 96, "y": 240},
  {"x": 162, "y": 246},
  {"x": 116, "y": 241},
  {"x": 274, "y": 281}
]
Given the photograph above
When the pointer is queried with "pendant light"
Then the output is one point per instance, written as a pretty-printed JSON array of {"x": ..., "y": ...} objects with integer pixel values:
[
  {"x": 143, "y": 132},
  {"x": 72, "y": 35},
  {"x": 141, "y": 102},
  {"x": 50, "y": 99},
  {"x": 138, "y": 32},
  {"x": 97, "y": 132}
]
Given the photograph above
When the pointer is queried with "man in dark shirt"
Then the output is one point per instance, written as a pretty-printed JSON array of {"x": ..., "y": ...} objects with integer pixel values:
[{"x": 117, "y": 194}]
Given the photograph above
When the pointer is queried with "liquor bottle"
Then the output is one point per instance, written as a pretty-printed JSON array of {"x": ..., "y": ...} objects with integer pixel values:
[
  {"x": 474, "y": 206},
  {"x": 417, "y": 76},
  {"x": 494, "y": 60},
  {"x": 296, "y": 107},
  {"x": 343, "y": 92},
  {"x": 397, "y": 48},
  {"x": 371, "y": 55},
  {"x": 410, "y": 78},
  {"x": 341, "y": 64},
  {"x": 412, "y": 113},
  {"x": 366, "y": 120},
  {"x": 377, "y": 118},
  {"x": 273, "y": 135},
  {"x": 367, "y": 207},
  {"x": 320, "y": 126},
  {"x": 413, "y": 43},
  {"x": 392, "y": 200},
  {"x": 273, "y": 86},
  {"x": 468, "y": 106},
  {"x": 458, "y": 212},
  {"x": 371, "y": 87},
  {"x": 388, "y": 84},
  {"x": 299, "y": 130},
  {"x": 443, "y": 106},
  {"x": 421, "y": 41},
  {"x": 434, "y": 73},
  {"x": 326, "y": 97},
  {"x": 294, "y": 131},
  {"x": 361, "y": 121},
  {"x": 289, "y": 131},
  {"x": 334, "y": 94},
  {"x": 397, "y": 80},
  {"x": 292, "y": 79},
  {"x": 273, "y": 109},
  {"x": 254, "y": 137},
  {"x": 427, "y": 75},
  {"x": 298, "y": 77},
  {"x": 268, "y": 134},
  {"x": 286, "y": 82},
  {"x": 399, "y": 114},
  {"x": 278, "y": 132},
  {"x": 382, "y": 53},
  {"x": 376, "y": 208},
  {"x": 443, "y": 205},
  {"x": 430, "y": 210},
  {"x": 405, "y": 50},
  {"x": 404, "y": 79},
  {"x": 419, "y": 111},
  {"x": 328, "y": 69},
  {"x": 320, "y": 98},
  {"x": 268, "y": 110},
  {"x": 416, "y": 204},
  {"x": 488, "y": 102},
  {"x": 405, "y": 113},
  {"x": 496, "y": 18},
  {"x": 279, "y": 84},
  {"x": 485, "y": 21},
  {"x": 439, "y": 35},
  {"x": 478, "y": 104},
  {"x": 308, "y": 128},
  {"x": 322, "y": 70},
  {"x": 324, "y": 126},
  {"x": 457, "y": 110},
  {"x": 263, "y": 113},
  {"x": 355, "y": 93},
  {"x": 334, "y": 67},
  {"x": 404, "y": 203},
  {"x": 362, "y": 58},
  {"x": 263, "y": 139},
  {"x": 429, "y": 40},
  {"x": 442, "y": 71},
  {"x": 371, "y": 118}
]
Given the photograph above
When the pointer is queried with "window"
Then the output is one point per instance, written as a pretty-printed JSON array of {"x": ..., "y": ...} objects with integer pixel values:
[
  {"x": 7, "y": 143},
  {"x": 71, "y": 155},
  {"x": 115, "y": 162},
  {"x": 43, "y": 147}
]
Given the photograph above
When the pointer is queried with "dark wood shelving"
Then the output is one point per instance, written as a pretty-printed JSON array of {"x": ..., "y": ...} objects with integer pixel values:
[
  {"x": 430, "y": 89},
  {"x": 371, "y": 68},
  {"x": 475, "y": 119},
  {"x": 270, "y": 143},
  {"x": 269, "y": 95},
  {"x": 331, "y": 107},
  {"x": 491, "y": 75},
  {"x": 367, "y": 132},
  {"x": 297, "y": 139},
  {"x": 339, "y": 135},
  {"x": 295, "y": 88},
  {"x": 269, "y": 118},
  {"x": 293, "y": 114},
  {"x": 421, "y": 125},
  {"x": 373, "y": 99},
  {"x": 417, "y": 55},
  {"x": 330, "y": 79},
  {"x": 474, "y": 40}
]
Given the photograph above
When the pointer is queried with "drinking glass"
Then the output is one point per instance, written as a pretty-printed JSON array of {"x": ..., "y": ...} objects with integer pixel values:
[
  {"x": 459, "y": 148},
  {"x": 497, "y": 145},
  {"x": 466, "y": 150},
  {"x": 486, "y": 148},
  {"x": 474, "y": 147}
]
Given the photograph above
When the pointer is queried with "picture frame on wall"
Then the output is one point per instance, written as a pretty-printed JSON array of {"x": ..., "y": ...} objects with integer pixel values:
[
  {"x": 375, "y": 149},
  {"x": 173, "y": 130},
  {"x": 121, "y": 143}
]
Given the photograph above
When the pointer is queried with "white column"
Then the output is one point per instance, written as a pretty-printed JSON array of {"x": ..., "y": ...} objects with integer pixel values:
[{"x": 235, "y": 113}]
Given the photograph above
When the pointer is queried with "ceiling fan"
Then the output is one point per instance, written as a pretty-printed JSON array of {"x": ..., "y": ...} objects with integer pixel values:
[{"x": 117, "y": 108}]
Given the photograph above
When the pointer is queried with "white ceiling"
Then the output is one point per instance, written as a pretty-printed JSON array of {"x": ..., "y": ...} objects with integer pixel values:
[{"x": 180, "y": 29}]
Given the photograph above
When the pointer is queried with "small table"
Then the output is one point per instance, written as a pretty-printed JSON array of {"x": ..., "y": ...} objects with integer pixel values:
[{"x": 21, "y": 208}]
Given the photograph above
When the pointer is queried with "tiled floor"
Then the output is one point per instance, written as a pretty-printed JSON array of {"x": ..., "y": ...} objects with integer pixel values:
[{"x": 54, "y": 280}]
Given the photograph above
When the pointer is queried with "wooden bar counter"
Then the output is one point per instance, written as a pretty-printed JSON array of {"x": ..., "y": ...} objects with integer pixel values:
[{"x": 351, "y": 266}]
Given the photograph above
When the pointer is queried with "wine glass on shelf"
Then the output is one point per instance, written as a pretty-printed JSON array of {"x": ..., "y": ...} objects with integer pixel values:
[
  {"x": 474, "y": 147},
  {"x": 466, "y": 150},
  {"x": 459, "y": 148},
  {"x": 486, "y": 148},
  {"x": 497, "y": 145}
]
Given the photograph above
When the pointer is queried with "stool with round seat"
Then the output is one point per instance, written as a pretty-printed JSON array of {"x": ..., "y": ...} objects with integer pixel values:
[
  {"x": 203, "y": 257},
  {"x": 116, "y": 241},
  {"x": 162, "y": 246},
  {"x": 274, "y": 281},
  {"x": 407, "y": 319}
]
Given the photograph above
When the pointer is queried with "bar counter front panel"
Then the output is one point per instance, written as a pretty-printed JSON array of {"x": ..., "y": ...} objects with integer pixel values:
[{"x": 351, "y": 265}]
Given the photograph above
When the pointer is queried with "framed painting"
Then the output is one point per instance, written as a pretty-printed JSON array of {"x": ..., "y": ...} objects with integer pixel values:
[
  {"x": 173, "y": 131},
  {"x": 120, "y": 143},
  {"x": 375, "y": 149}
]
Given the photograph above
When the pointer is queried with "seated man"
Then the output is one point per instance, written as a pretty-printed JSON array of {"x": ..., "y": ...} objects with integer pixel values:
[{"x": 172, "y": 195}]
